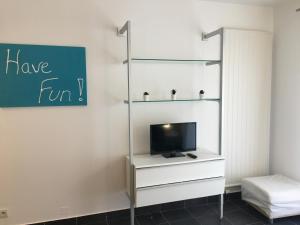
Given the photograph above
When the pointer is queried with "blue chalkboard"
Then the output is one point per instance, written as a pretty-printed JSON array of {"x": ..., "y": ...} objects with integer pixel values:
[{"x": 38, "y": 75}]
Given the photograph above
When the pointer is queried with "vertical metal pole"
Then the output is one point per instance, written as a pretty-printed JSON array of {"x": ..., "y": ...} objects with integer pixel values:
[
  {"x": 130, "y": 129},
  {"x": 127, "y": 27},
  {"x": 221, "y": 90},
  {"x": 221, "y": 110},
  {"x": 221, "y": 206},
  {"x": 205, "y": 36}
]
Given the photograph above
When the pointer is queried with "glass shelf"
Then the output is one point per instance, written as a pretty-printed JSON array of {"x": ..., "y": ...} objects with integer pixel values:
[
  {"x": 178, "y": 100},
  {"x": 200, "y": 61}
]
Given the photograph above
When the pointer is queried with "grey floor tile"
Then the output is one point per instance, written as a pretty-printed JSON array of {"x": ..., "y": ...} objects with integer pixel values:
[
  {"x": 233, "y": 196},
  {"x": 204, "y": 210},
  {"x": 190, "y": 221},
  {"x": 294, "y": 219},
  {"x": 172, "y": 206},
  {"x": 256, "y": 214},
  {"x": 151, "y": 219},
  {"x": 97, "y": 219},
  {"x": 147, "y": 210},
  {"x": 178, "y": 214},
  {"x": 213, "y": 220},
  {"x": 98, "y": 223},
  {"x": 240, "y": 203},
  {"x": 118, "y": 214},
  {"x": 258, "y": 223},
  {"x": 228, "y": 207},
  {"x": 121, "y": 221},
  {"x": 71, "y": 221},
  {"x": 283, "y": 221},
  {"x": 195, "y": 202},
  {"x": 241, "y": 218}
]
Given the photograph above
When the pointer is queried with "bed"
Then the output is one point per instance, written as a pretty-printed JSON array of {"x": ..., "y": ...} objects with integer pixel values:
[{"x": 275, "y": 196}]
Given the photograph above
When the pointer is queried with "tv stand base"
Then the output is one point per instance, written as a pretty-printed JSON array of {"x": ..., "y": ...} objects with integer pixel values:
[
  {"x": 160, "y": 180},
  {"x": 173, "y": 155}
]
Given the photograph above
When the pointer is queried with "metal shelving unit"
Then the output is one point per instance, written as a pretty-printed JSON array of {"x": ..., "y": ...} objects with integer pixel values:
[
  {"x": 177, "y": 100},
  {"x": 196, "y": 61},
  {"x": 127, "y": 29}
]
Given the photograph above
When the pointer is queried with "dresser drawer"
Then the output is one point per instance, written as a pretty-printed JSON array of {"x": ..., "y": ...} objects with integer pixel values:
[
  {"x": 179, "y": 191},
  {"x": 150, "y": 176}
]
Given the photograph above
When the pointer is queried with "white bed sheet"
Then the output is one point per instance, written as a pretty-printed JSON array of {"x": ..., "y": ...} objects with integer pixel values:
[{"x": 277, "y": 196}]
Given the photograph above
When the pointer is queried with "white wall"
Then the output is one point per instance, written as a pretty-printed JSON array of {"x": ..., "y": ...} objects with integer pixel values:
[
  {"x": 285, "y": 141},
  {"x": 58, "y": 162}
]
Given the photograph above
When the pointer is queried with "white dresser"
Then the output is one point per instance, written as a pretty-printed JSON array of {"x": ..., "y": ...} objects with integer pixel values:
[{"x": 160, "y": 180}]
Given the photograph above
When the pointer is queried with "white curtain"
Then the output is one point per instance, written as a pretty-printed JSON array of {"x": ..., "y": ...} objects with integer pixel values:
[{"x": 246, "y": 103}]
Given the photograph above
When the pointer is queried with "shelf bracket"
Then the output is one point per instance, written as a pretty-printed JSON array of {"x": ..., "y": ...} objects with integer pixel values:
[
  {"x": 121, "y": 31},
  {"x": 119, "y": 34},
  {"x": 212, "y": 63},
  {"x": 206, "y": 36}
]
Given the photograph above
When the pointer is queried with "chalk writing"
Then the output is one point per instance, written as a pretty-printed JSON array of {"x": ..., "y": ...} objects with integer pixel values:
[
  {"x": 26, "y": 67},
  {"x": 36, "y": 75},
  {"x": 48, "y": 90},
  {"x": 80, "y": 83}
]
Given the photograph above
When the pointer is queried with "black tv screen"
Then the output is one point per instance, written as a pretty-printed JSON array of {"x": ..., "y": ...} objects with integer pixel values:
[{"x": 172, "y": 137}]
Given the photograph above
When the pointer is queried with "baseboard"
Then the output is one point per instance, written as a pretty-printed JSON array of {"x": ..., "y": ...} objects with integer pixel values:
[{"x": 233, "y": 189}]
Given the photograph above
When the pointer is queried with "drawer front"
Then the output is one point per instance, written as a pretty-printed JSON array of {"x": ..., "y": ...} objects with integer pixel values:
[
  {"x": 146, "y": 177},
  {"x": 180, "y": 191}
]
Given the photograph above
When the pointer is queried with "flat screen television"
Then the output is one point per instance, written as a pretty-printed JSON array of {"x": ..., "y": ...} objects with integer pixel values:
[{"x": 172, "y": 138}]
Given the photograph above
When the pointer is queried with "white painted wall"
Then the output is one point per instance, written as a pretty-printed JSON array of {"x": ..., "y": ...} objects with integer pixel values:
[
  {"x": 69, "y": 161},
  {"x": 285, "y": 142},
  {"x": 251, "y": 2}
]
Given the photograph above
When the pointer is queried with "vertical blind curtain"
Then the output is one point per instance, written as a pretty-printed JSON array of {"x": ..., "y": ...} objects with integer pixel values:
[{"x": 246, "y": 103}]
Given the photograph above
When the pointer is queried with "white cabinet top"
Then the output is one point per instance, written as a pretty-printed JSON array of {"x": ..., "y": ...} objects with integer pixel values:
[{"x": 147, "y": 160}]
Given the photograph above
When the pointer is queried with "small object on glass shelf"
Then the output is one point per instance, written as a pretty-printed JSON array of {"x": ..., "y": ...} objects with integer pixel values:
[
  {"x": 201, "y": 94},
  {"x": 146, "y": 96},
  {"x": 173, "y": 94}
]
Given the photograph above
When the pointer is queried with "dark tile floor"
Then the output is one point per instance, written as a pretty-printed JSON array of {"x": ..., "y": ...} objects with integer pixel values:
[
  {"x": 236, "y": 212},
  {"x": 190, "y": 212}
]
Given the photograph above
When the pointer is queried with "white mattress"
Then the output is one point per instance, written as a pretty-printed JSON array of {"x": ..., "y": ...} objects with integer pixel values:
[{"x": 276, "y": 195}]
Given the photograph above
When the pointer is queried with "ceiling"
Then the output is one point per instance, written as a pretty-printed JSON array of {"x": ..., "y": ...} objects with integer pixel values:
[{"x": 252, "y": 2}]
